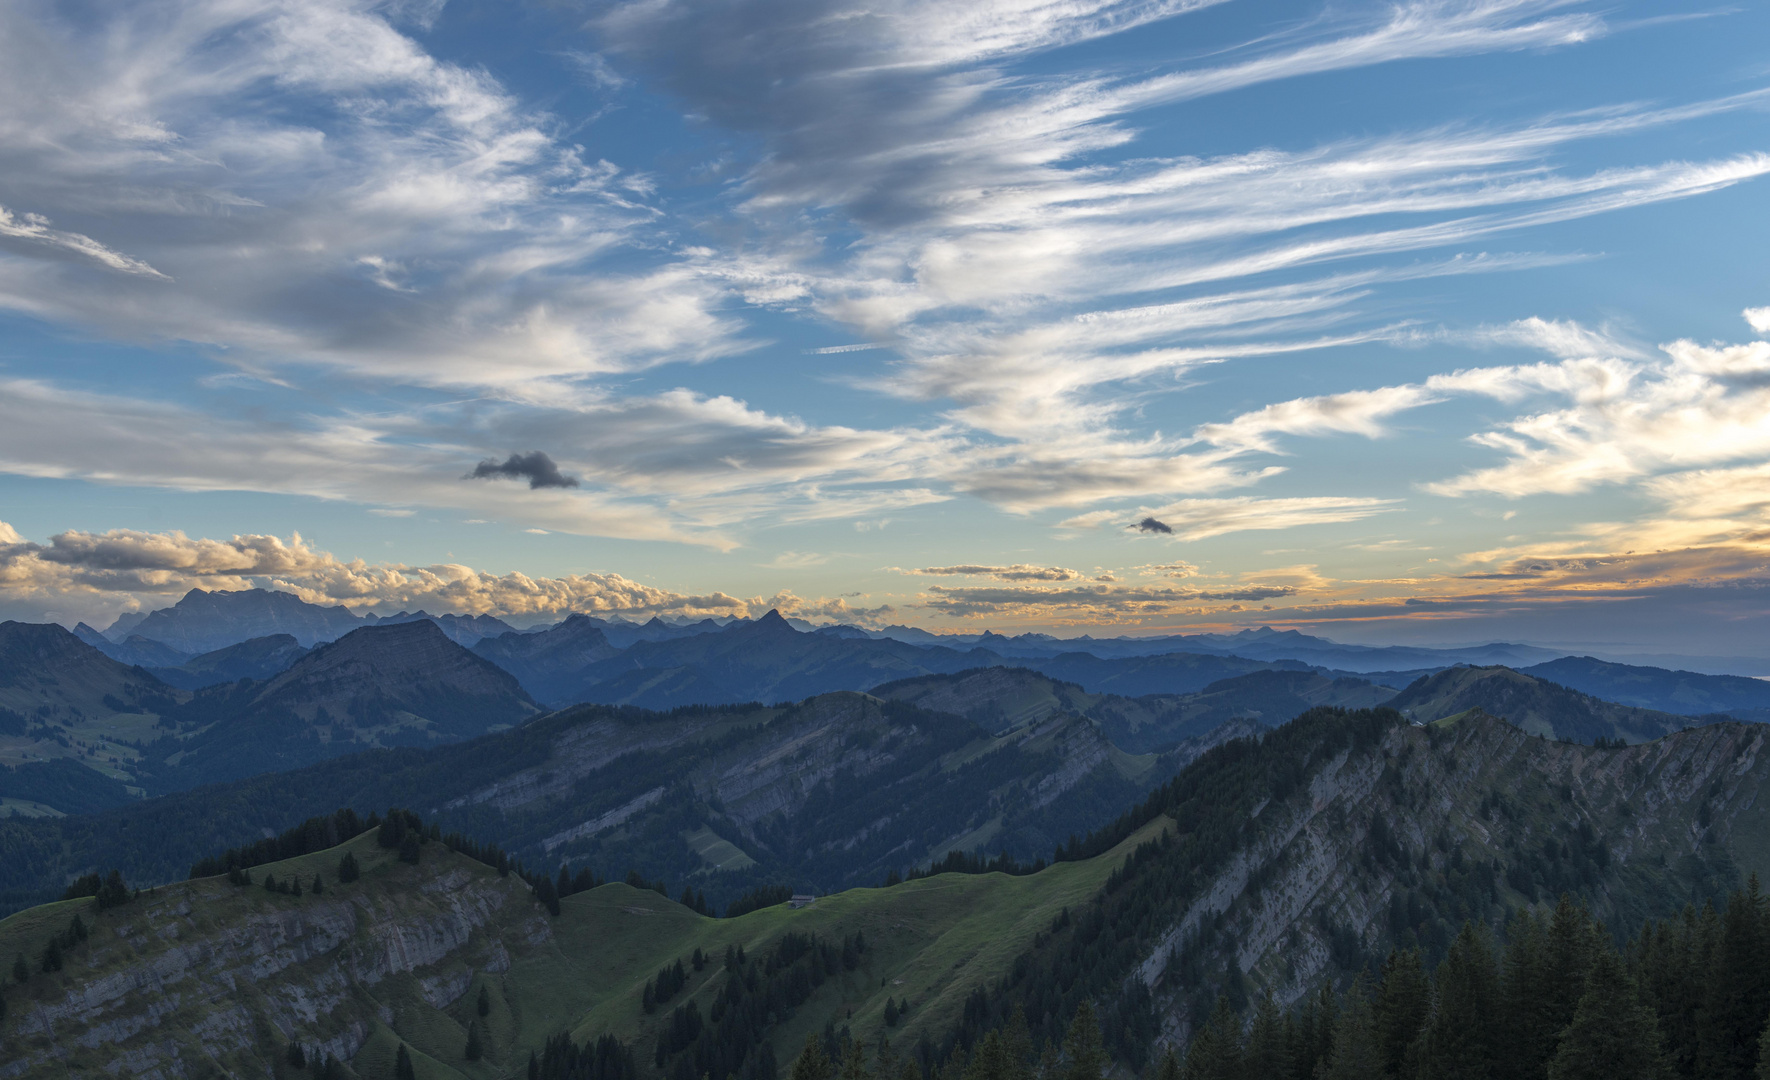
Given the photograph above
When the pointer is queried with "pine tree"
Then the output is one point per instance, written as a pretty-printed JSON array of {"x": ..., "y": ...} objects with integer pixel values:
[
  {"x": 1569, "y": 945},
  {"x": 318, "y": 886},
  {"x": 990, "y": 1061},
  {"x": 51, "y": 959},
  {"x": 1081, "y": 1046},
  {"x": 409, "y": 848},
  {"x": 1458, "y": 1043},
  {"x": 1169, "y": 1068},
  {"x": 1612, "y": 1035},
  {"x": 1358, "y": 1053},
  {"x": 813, "y": 1063},
  {"x": 348, "y": 871},
  {"x": 270, "y": 882},
  {"x": 854, "y": 1063},
  {"x": 1404, "y": 997},
  {"x": 1764, "y": 1056},
  {"x": 484, "y": 1005},
  {"x": 474, "y": 1049},
  {"x": 402, "y": 1064},
  {"x": 1017, "y": 1041},
  {"x": 1268, "y": 1055},
  {"x": 1215, "y": 1051},
  {"x": 20, "y": 973},
  {"x": 890, "y": 1012},
  {"x": 295, "y": 886},
  {"x": 297, "y": 1056},
  {"x": 1737, "y": 992}
]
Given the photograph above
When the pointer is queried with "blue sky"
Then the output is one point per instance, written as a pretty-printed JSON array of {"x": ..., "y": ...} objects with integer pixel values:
[{"x": 1435, "y": 321}]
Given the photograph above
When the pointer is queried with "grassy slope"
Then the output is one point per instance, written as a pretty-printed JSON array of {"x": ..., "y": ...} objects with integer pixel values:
[{"x": 932, "y": 941}]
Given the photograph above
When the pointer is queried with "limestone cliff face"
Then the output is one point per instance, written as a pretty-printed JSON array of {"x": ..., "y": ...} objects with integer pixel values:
[
  {"x": 1402, "y": 842},
  {"x": 200, "y": 978}
]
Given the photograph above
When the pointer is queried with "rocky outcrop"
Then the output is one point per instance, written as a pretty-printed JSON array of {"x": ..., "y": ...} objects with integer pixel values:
[
  {"x": 1397, "y": 844},
  {"x": 204, "y": 971}
]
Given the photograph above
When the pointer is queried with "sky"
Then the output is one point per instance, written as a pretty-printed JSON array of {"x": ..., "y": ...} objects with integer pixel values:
[{"x": 1432, "y": 322}]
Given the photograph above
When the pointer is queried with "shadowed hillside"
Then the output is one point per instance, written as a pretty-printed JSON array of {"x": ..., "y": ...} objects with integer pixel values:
[{"x": 1536, "y": 705}]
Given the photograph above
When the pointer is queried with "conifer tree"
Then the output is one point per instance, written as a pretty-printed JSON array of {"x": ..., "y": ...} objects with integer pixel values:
[
  {"x": 20, "y": 973},
  {"x": 1404, "y": 998},
  {"x": 1215, "y": 1051},
  {"x": 854, "y": 1063},
  {"x": 887, "y": 1059},
  {"x": 1358, "y": 1053},
  {"x": 954, "y": 1069},
  {"x": 297, "y": 1056},
  {"x": 1268, "y": 1054},
  {"x": 1737, "y": 993},
  {"x": 402, "y": 1064},
  {"x": 1085, "y": 1058},
  {"x": 813, "y": 1063},
  {"x": 318, "y": 886},
  {"x": 1169, "y": 1068},
  {"x": 51, "y": 959},
  {"x": 474, "y": 1050},
  {"x": 1017, "y": 1041},
  {"x": 547, "y": 894},
  {"x": 1458, "y": 1043},
  {"x": 990, "y": 1060},
  {"x": 409, "y": 848},
  {"x": 890, "y": 1012},
  {"x": 348, "y": 871},
  {"x": 270, "y": 882},
  {"x": 484, "y": 1005},
  {"x": 1612, "y": 1035}
]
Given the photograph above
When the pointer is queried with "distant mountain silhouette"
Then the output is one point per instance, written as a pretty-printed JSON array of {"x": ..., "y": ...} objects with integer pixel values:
[
  {"x": 1536, "y": 705},
  {"x": 1687, "y": 693},
  {"x": 205, "y": 621},
  {"x": 259, "y": 658},
  {"x": 550, "y": 664},
  {"x": 403, "y": 684}
]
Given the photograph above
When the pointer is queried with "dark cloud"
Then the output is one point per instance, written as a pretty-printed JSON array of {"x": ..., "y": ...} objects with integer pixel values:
[
  {"x": 535, "y": 467},
  {"x": 1151, "y": 525}
]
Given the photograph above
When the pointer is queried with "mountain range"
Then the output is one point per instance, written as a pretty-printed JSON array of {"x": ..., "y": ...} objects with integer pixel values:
[
  {"x": 990, "y": 831},
  {"x": 1271, "y": 868}
]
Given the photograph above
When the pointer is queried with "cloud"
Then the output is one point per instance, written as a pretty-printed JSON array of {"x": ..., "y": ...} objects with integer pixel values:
[
  {"x": 34, "y": 228},
  {"x": 1759, "y": 317},
  {"x": 306, "y": 184},
  {"x": 535, "y": 467},
  {"x": 123, "y": 568},
  {"x": 1200, "y": 519},
  {"x": 1621, "y": 421},
  {"x": 1171, "y": 569},
  {"x": 1104, "y": 602},
  {"x": 1017, "y": 572}
]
